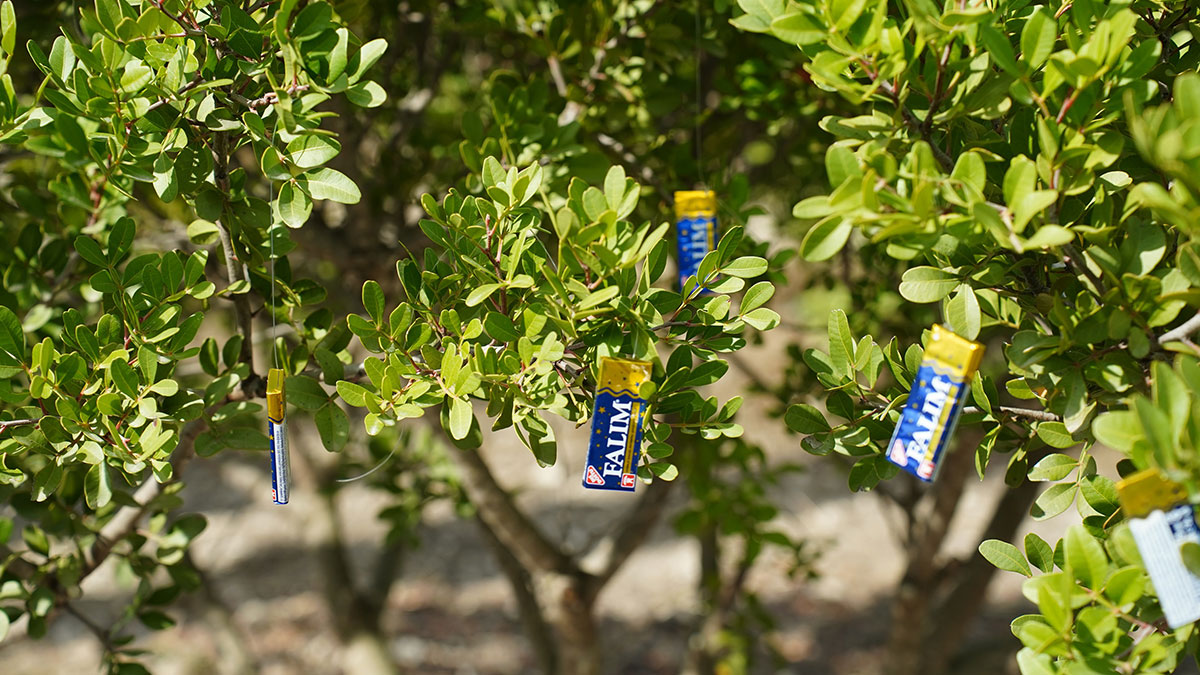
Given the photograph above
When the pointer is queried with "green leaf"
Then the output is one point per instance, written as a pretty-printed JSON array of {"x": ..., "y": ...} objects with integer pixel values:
[
  {"x": 1127, "y": 584},
  {"x": 1189, "y": 551},
  {"x": 1039, "y": 552},
  {"x": 373, "y": 300},
  {"x": 8, "y": 42},
  {"x": 1049, "y": 236},
  {"x": 745, "y": 267},
  {"x": 120, "y": 239},
  {"x": 108, "y": 13},
  {"x": 1056, "y": 499},
  {"x": 493, "y": 173},
  {"x": 614, "y": 186},
  {"x": 353, "y": 394},
  {"x": 1005, "y": 556},
  {"x": 805, "y": 419},
  {"x": 825, "y": 239},
  {"x": 1035, "y": 663},
  {"x": 292, "y": 204},
  {"x": 1020, "y": 179},
  {"x": 869, "y": 471},
  {"x": 598, "y": 298},
  {"x": 90, "y": 251},
  {"x": 664, "y": 470},
  {"x": 326, "y": 183},
  {"x": 305, "y": 393},
  {"x": 461, "y": 417},
  {"x": 96, "y": 486},
  {"x": 841, "y": 344},
  {"x": 757, "y": 295},
  {"x": 1037, "y": 38},
  {"x": 1053, "y": 468},
  {"x": 313, "y": 150},
  {"x": 999, "y": 49},
  {"x": 799, "y": 28},
  {"x": 841, "y": 165},
  {"x": 1055, "y": 435},
  {"x": 1100, "y": 493},
  {"x": 12, "y": 338},
  {"x": 927, "y": 284},
  {"x": 481, "y": 293},
  {"x": 203, "y": 232},
  {"x": 761, "y": 318},
  {"x": 333, "y": 425},
  {"x": 962, "y": 313},
  {"x": 124, "y": 377},
  {"x": 1118, "y": 429},
  {"x": 366, "y": 94},
  {"x": 1085, "y": 557},
  {"x": 365, "y": 58}
]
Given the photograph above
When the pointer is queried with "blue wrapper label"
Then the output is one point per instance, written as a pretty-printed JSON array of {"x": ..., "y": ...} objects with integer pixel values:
[
  {"x": 1159, "y": 536},
  {"x": 615, "y": 442},
  {"x": 280, "y": 469},
  {"x": 695, "y": 229},
  {"x": 277, "y": 434},
  {"x": 926, "y": 422}
]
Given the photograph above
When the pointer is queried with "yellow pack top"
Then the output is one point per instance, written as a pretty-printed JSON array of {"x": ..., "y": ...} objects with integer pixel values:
[
  {"x": 1147, "y": 491},
  {"x": 695, "y": 204},
  {"x": 622, "y": 376},
  {"x": 275, "y": 396},
  {"x": 952, "y": 352}
]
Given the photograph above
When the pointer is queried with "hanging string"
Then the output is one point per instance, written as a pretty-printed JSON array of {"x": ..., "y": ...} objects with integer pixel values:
[
  {"x": 368, "y": 472},
  {"x": 271, "y": 244},
  {"x": 699, "y": 102}
]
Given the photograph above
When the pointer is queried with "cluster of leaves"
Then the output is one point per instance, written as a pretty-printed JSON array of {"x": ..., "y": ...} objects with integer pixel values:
[
  {"x": 991, "y": 162},
  {"x": 106, "y": 391},
  {"x": 224, "y": 115},
  {"x": 474, "y": 324}
]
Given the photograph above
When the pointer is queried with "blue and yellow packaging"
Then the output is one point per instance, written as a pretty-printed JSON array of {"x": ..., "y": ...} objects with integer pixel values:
[
  {"x": 616, "y": 439},
  {"x": 277, "y": 433},
  {"x": 695, "y": 229},
  {"x": 928, "y": 418},
  {"x": 1162, "y": 520}
]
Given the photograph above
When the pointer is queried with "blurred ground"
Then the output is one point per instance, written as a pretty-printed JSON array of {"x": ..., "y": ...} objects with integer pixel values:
[{"x": 453, "y": 612}]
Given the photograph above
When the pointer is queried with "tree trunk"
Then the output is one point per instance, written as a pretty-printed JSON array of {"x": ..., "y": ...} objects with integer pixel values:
[
  {"x": 556, "y": 595},
  {"x": 936, "y": 603},
  {"x": 912, "y": 607}
]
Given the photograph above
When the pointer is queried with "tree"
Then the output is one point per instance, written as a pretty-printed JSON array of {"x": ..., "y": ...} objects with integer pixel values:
[
  {"x": 231, "y": 117},
  {"x": 1029, "y": 169}
]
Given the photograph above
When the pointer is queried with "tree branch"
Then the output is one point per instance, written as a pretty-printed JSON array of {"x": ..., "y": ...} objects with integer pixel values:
[
  {"x": 511, "y": 526},
  {"x": 232, "y": 268},
  {"x": 631, "y": 532},
  {"x": 127, "y": 519},
  {"x": 533, "y": 616},
  {"x": 1184, "y": 330},
  {"x": 916, "y": 125}
]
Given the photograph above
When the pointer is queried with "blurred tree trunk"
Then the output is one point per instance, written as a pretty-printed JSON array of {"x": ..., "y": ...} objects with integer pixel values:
[
  {"x": 556, "y": 592},
  {"x": 937, "y": 600},
  {"x": 355, "y": 612}
]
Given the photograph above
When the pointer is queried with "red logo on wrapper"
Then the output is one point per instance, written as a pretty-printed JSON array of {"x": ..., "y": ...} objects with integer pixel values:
[
  {"x": 899, "y": 456},
  {"x": 925, "y": 470},
  {"x": 593, "y": 477},
  {"x": 627, "y": 480}
]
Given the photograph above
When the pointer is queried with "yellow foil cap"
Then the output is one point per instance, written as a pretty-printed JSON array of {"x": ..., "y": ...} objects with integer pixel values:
[
  {"x": 275, "y": 398},
  {"x": 622, "y": 376},
  {"x": 695, "y": 204},
  {"x": 956, "y": 352},
  {"x": 1147, "y": 491}
]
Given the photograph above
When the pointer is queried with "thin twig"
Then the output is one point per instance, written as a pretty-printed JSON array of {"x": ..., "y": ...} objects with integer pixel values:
[
  {"x": 5, "y": 424},
  {"x": 1182, "y": 331}
]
